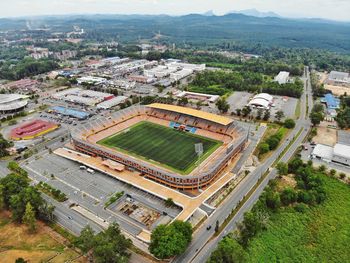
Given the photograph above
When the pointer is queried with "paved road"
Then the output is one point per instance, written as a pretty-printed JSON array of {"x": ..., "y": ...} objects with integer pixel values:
[{"x": 199, "y": 250}]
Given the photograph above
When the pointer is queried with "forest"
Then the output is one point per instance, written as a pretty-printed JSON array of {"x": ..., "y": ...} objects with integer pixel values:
[{"x": 221, "y": 82}]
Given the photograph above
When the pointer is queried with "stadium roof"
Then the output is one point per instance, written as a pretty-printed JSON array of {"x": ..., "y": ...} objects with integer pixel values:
[{"x": 192, "y": 112}]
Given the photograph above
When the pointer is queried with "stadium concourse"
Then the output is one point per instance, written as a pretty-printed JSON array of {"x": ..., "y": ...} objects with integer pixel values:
[
  {"x": 32, "y": 130},
  {"x": 192, "y": 126}
]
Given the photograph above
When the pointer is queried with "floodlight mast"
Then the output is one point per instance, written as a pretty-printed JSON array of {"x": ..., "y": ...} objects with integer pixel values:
[{"x": 198, "y": 147}]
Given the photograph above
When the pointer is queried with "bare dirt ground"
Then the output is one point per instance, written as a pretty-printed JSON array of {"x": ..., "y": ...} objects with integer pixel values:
[
  {"x": 287, "y": 181},
  {"x": 338, "y": 90},
  {"x": 43, "y": 246},
  {"x": 325, "y": 135}
]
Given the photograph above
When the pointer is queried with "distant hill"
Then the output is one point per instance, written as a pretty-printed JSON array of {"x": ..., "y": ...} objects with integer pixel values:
[
  {"x": 204, "y": 29},
  {"x": 254, "y": 12}
]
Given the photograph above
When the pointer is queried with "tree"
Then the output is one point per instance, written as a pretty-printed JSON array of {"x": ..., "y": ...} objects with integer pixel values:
[
  {"x": 171, "y": 240},
  {"x": 21, "y": 260},
  {"x": 111, "y": 246},
  {"x": 29, "y": 218},
  {"x": 264, "y": 148},
  {"x": 273, "y": 142},
  {"x": 2, "y": 198},
  {"x": 259, "y": 114},
  {"x": 222, "y": 105},
  {"x": 332, "y": 172},
  {"x": 273, "y": 200},
  {"x": 86, "y": 241},
  {"x": 246, "y": 111},
  {"x": 322, "y": 168},
  {"x": 282, "y": 168},
  {"x": 266, "y": 115},
  {"x": 316, "y": 118},
  {"x": 279, "y": 115},
  {"x": 288, "y": 196},
  {"x": 289, "y": 123},
  {"x": 228, "y": 251},
  {"x": 169, "y": 202}
]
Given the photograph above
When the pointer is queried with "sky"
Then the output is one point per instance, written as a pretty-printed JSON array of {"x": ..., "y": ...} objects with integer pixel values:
[{"x": 328, "y": 9}]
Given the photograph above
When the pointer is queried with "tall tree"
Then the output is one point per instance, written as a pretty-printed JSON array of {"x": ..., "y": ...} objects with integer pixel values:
[{"x": 29, "y": 218}]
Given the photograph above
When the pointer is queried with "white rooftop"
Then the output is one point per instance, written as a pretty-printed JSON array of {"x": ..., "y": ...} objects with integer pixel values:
[
  {"x": 342, "y": 150},
  {"x": 323, "y": 151}
]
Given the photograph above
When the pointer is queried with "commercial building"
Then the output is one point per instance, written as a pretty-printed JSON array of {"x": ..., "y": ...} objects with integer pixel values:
[
  {"x": 23, "y": 85},
  {"x": 112, "y": 102},
  {"x": 11, "y": 103},
  {"x": 82, "y": 96},
  {"x": 282, "y": 77},
  {"x": 180, "y": 65},
  {"x": 180, "y": 74},
  {"x": 91, "y": 80},
  {"x": 340, "y": 153},
  {"x": 198, "y": 96},
  {"x": 337, "y": 77},
  {"x": 81, "y": 115}
]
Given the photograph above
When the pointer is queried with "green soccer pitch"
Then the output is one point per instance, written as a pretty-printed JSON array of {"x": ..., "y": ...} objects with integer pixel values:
[{"x": 162, "y": 145}]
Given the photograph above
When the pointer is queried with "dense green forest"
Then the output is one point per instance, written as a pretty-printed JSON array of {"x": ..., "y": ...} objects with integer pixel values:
[
  {"x": 306, "y": 222},
  {"x": 221, "y": 82},
  {"x": 14, "y": 70}
]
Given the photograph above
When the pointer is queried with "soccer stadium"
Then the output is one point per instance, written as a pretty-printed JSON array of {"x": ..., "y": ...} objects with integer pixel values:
[
  {"x": 32, "y": 130},
  {"x": 176, "y": 146}
]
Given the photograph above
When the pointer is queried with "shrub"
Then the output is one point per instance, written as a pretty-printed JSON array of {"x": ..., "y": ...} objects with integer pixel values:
[
  {"x": 264, "y": 148},
  {"x": 301, "y": 208},
  {"x": 289, "y": 123}
]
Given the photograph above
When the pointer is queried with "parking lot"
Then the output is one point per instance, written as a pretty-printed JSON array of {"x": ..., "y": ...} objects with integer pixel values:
[
  {"x": 93, "y": 190},
  {"x": 239, "y": 100}
]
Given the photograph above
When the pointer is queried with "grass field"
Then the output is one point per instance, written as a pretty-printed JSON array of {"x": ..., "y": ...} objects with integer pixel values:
[
  {"x": 159, "y": 144},
  {"x": 44, "y": 246},
  {"x": 321, "y": 234}
]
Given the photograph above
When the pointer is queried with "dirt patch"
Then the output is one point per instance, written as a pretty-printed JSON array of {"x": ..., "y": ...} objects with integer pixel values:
[
  {"x": 325, "y": 135},
  {"x": 337, "y": 90},
  {"x": 287, "y": 181}
]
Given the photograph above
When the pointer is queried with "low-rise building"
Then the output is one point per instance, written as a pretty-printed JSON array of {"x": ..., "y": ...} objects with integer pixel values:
[
  {"x": 112, "y": 102},
  {"x": 11, "y": 103},
  {"x": 340, "y": 153},
  {"x": 282, "y": 77},
  {"x": 338, "y": 78}
]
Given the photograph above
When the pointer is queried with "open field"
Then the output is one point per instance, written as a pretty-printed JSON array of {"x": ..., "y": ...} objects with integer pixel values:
[
  {"x": 165, "y": 146},
  {"x": 338, "y": 90},
  {"x": 321, "y": 234},
  {"x": 325, "y": 135},
  {"x": 43, "y": 246}
]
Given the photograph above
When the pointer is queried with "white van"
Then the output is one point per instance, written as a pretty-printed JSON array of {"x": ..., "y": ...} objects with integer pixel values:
[{"x": 90, "y": 170}]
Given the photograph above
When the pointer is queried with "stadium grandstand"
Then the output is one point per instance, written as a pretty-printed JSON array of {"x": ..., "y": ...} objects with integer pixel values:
[
  {"x": 158, "y": 141},
  {"x": 12, "y": 103},
  {"x": 32, "y": 130}
]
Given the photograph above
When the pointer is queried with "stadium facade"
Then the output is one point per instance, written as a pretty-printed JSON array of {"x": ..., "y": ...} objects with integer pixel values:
[{"x": 84, "y": 139}]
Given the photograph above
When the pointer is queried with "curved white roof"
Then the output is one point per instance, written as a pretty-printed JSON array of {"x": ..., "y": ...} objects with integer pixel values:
[
  {"x": 259, "y": 102},
  {"x": 264, "y": 96},
  {"x": 10, "y": 102}
]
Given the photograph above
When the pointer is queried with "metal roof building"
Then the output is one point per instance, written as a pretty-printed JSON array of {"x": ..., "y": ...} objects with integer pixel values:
[
  {"x": 12, "y": 102},
  {"x": 331, "y": 101}
]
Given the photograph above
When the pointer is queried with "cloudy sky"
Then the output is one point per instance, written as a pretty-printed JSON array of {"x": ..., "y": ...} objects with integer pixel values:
[{"x": 330, "y": 9}]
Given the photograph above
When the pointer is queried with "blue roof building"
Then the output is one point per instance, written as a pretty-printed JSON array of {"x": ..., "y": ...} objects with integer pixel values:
[{"x": 331, "y": 101}]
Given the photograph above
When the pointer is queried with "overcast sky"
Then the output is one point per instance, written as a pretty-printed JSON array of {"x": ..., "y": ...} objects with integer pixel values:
[{"x": 330, "y": 9}]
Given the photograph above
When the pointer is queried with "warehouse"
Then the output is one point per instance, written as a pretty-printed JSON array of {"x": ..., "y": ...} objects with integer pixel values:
[
  {"x": 340, "y": 153},
  {"x": 112, "y": 102},
  {"x": 82, "y": 97}
]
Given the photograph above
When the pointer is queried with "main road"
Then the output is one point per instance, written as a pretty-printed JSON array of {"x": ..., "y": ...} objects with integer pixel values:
[{"x": 203, "y": 242}]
